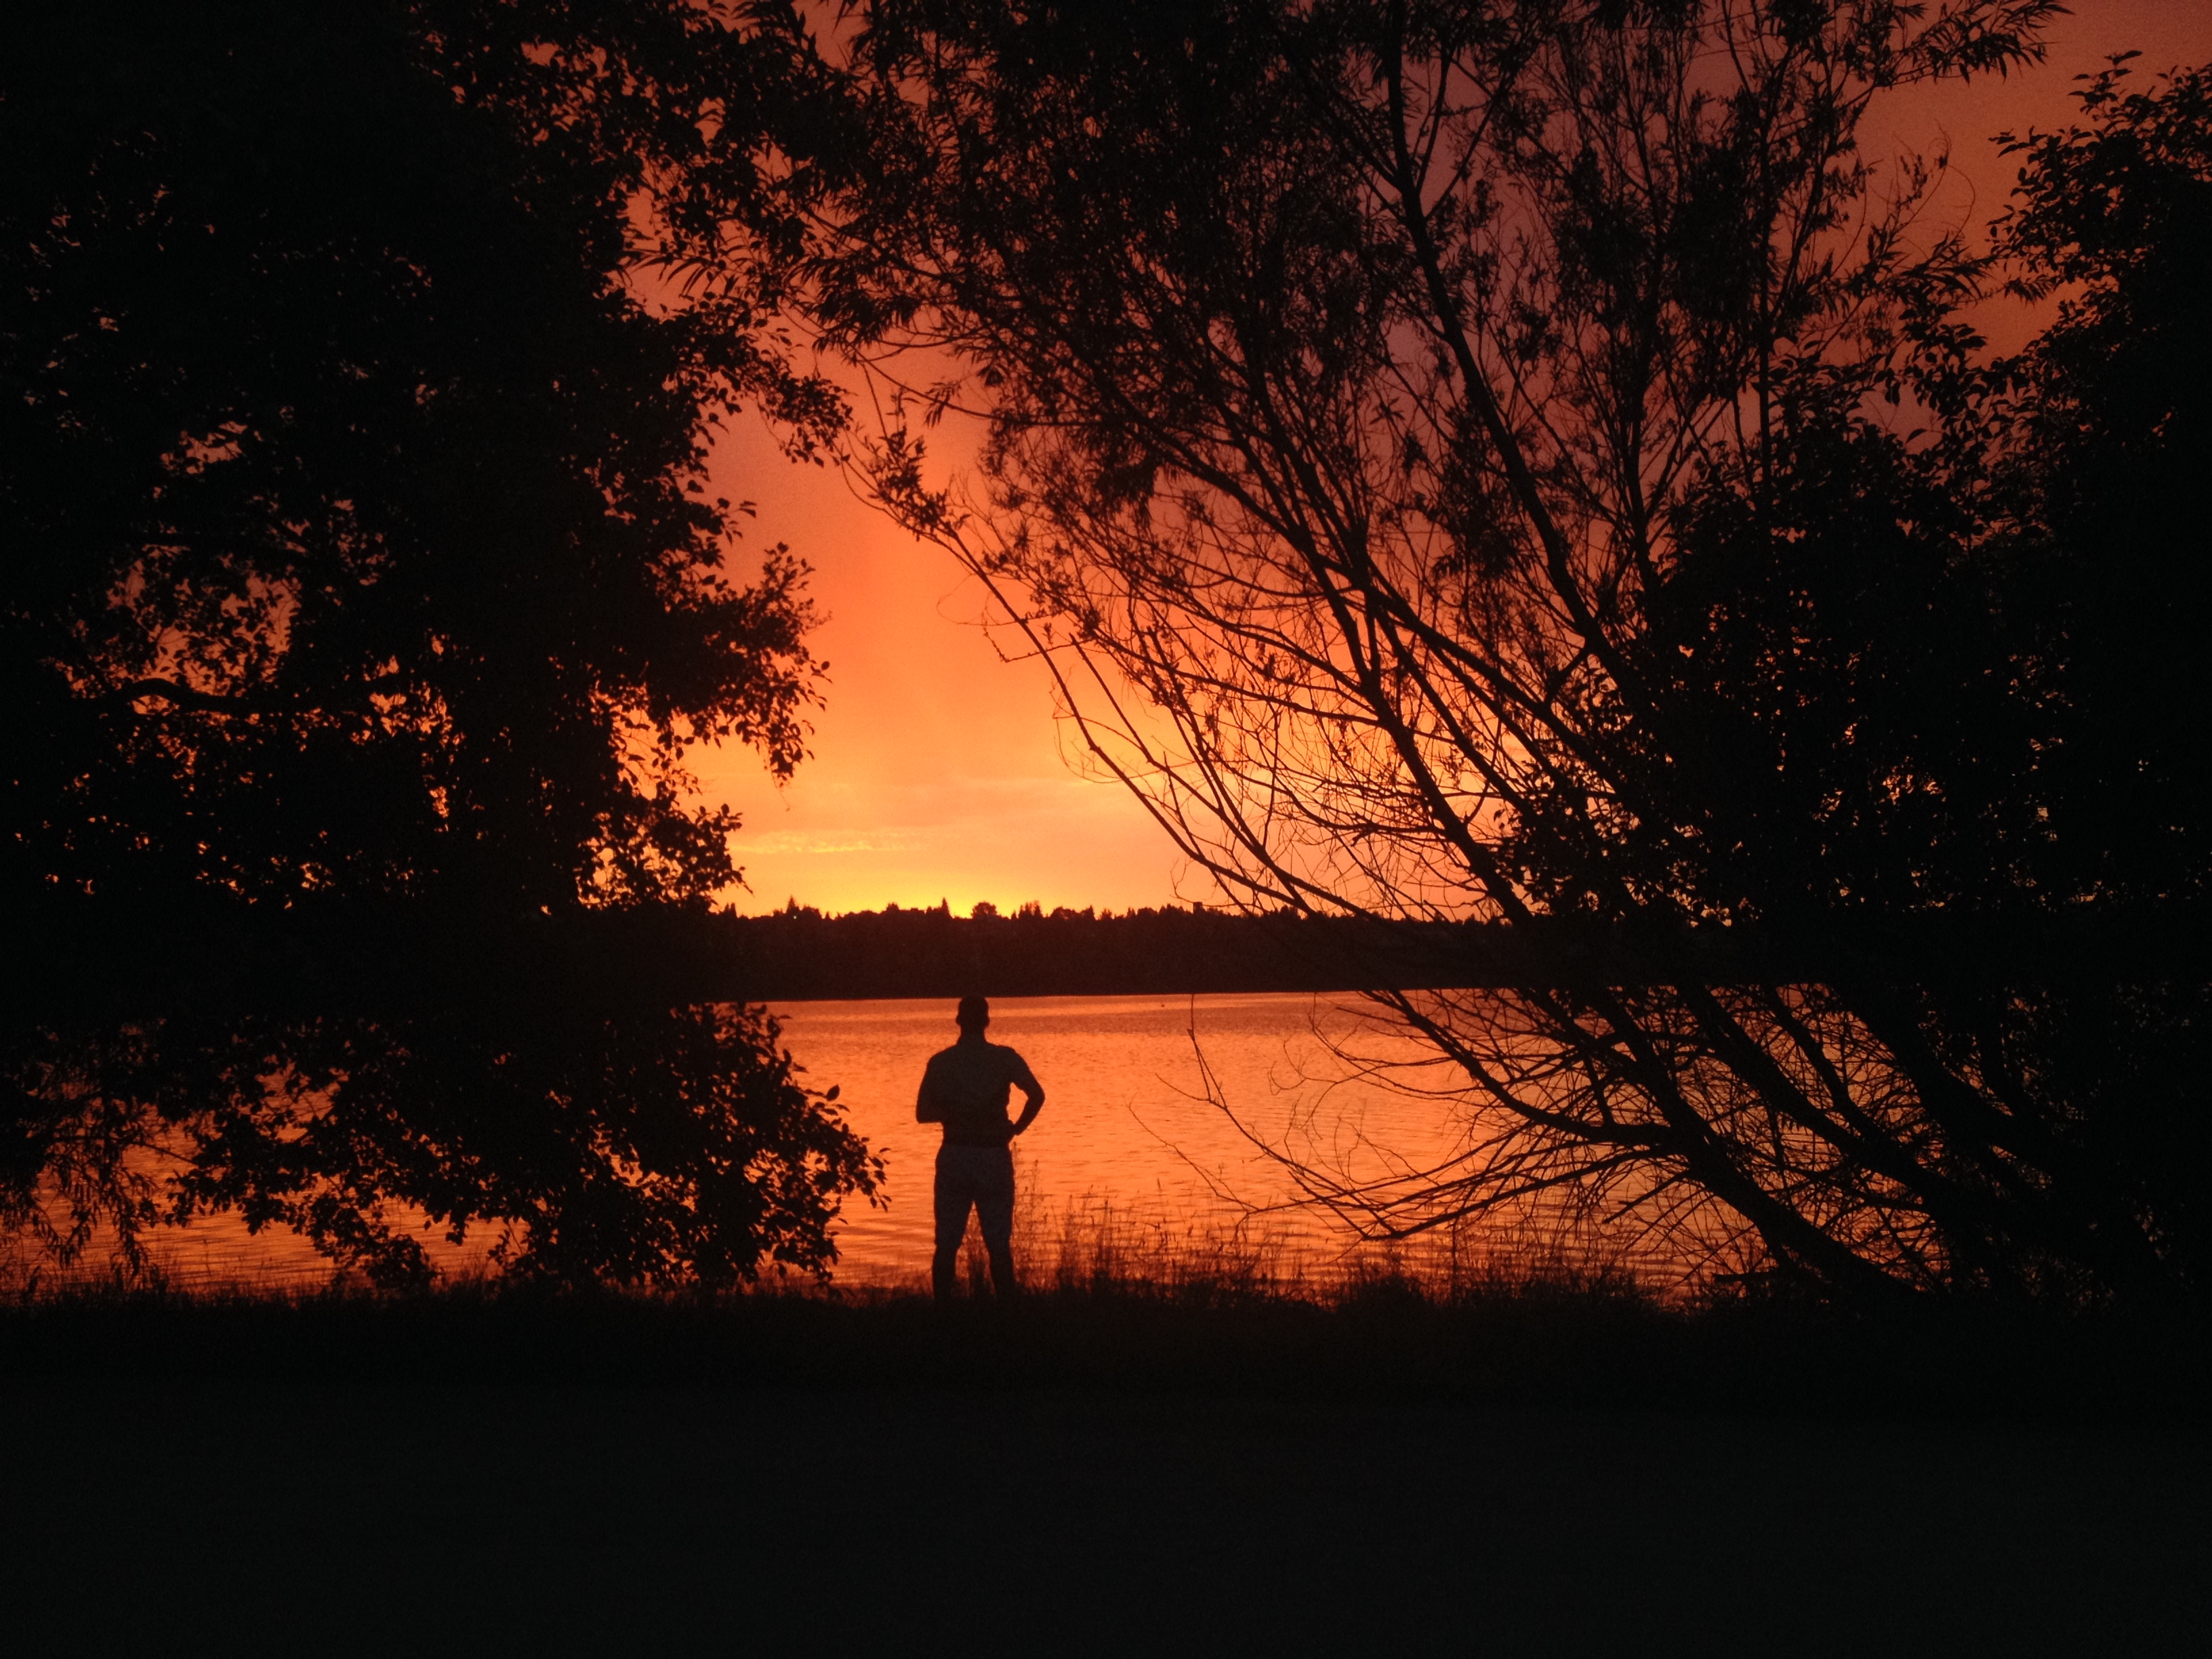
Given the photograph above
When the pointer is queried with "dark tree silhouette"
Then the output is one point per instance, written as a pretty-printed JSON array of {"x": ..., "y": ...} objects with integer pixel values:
[
  {"x": 1523, "y": 461},
  {"x": 2112, "y": 428},
  {"x": 363, "y": 601}
]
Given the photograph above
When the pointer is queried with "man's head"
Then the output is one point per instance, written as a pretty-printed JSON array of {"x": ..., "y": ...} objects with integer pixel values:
[{"x": 974, "y": 1014}]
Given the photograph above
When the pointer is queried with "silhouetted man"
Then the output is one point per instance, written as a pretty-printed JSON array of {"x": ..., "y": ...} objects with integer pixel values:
[{"x": 965, "y": 1088}]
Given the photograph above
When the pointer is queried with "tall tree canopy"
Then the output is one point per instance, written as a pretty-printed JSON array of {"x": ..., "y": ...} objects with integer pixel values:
[
  {"x": 1518, "y": 460},
  {"x": 364, "y": 592}
]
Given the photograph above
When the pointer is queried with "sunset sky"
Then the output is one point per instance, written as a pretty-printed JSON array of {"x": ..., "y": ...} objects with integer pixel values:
[{"x": 937, "y": 769}]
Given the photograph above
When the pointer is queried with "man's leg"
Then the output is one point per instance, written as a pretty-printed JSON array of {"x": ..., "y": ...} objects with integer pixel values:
[
  {"x": 994, "y": 1213},
  {"x": 953, "y": 1199}
]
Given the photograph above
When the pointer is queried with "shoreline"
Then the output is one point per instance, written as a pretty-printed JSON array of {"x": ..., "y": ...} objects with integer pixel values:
[{"x": 1591, "y": 1346}]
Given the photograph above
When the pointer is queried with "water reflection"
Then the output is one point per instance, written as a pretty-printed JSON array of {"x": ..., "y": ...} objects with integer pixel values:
[
  {"x": 1135, "y": 1139},
  {"x": 1130, "y": 1131}
]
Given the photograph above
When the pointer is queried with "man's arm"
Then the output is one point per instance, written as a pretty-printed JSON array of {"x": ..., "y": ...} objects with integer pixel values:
[
  {"x": 1032, "y": 1093},
  {"x": 928, "y": 1107}
]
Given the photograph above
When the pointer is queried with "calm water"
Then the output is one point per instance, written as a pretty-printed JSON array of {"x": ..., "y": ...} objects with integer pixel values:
[
  {"x": 1133, "y": 1144},
  {"x": 1129, "y": 1138}
]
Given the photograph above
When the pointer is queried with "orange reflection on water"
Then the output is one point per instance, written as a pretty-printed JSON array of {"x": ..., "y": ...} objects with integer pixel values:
[
  {"x": 1161, "y": 1116},
  {"x": 1133, "y": 1143}
]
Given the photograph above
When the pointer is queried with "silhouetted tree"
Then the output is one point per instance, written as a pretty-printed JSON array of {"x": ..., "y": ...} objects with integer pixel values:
[
  {"x": 363, "y": 600},
  {"x": 2113, "y": 431},
  {"x": 1522, "y": 460}
]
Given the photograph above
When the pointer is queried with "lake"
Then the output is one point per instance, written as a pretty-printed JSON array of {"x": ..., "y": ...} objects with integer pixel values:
[
  {"x": 1165, "y": 1122},
  {"x": 1131, "y": 1141}
]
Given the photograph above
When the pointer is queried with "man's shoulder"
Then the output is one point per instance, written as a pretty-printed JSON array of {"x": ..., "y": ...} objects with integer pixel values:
[
  {"x": 971, "y": 1053},
  {"x": 991, "y": 1058}
]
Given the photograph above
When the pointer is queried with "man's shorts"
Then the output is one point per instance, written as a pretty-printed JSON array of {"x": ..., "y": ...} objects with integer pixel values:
[{"x": 982, "y": 1177}]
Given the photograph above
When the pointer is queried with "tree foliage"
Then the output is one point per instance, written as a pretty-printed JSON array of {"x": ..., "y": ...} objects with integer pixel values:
[
  {"x": 363, "y": 564},
  {"x": 1512, "y": 460}
]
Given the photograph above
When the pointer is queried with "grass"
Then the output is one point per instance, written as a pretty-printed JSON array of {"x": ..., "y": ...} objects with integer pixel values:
[
  {"x": 1098, "y": 1315},
  {"x": 1172, "y": 1443}
]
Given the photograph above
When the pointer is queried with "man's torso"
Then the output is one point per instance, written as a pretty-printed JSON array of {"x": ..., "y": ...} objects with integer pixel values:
[{"x": 968, "y": 1083}]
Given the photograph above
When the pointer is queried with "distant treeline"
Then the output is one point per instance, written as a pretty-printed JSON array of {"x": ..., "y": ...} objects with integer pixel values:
[
  {"x": 801, "y": 953},
  {"x": 311, "y": 962}
]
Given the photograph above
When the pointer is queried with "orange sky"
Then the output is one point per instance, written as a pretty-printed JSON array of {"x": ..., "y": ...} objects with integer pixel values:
[{"x": 937, "y": 769}]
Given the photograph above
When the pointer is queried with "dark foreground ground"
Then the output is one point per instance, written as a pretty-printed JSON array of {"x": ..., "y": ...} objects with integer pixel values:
[{"x": 877, "y": 1481}]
